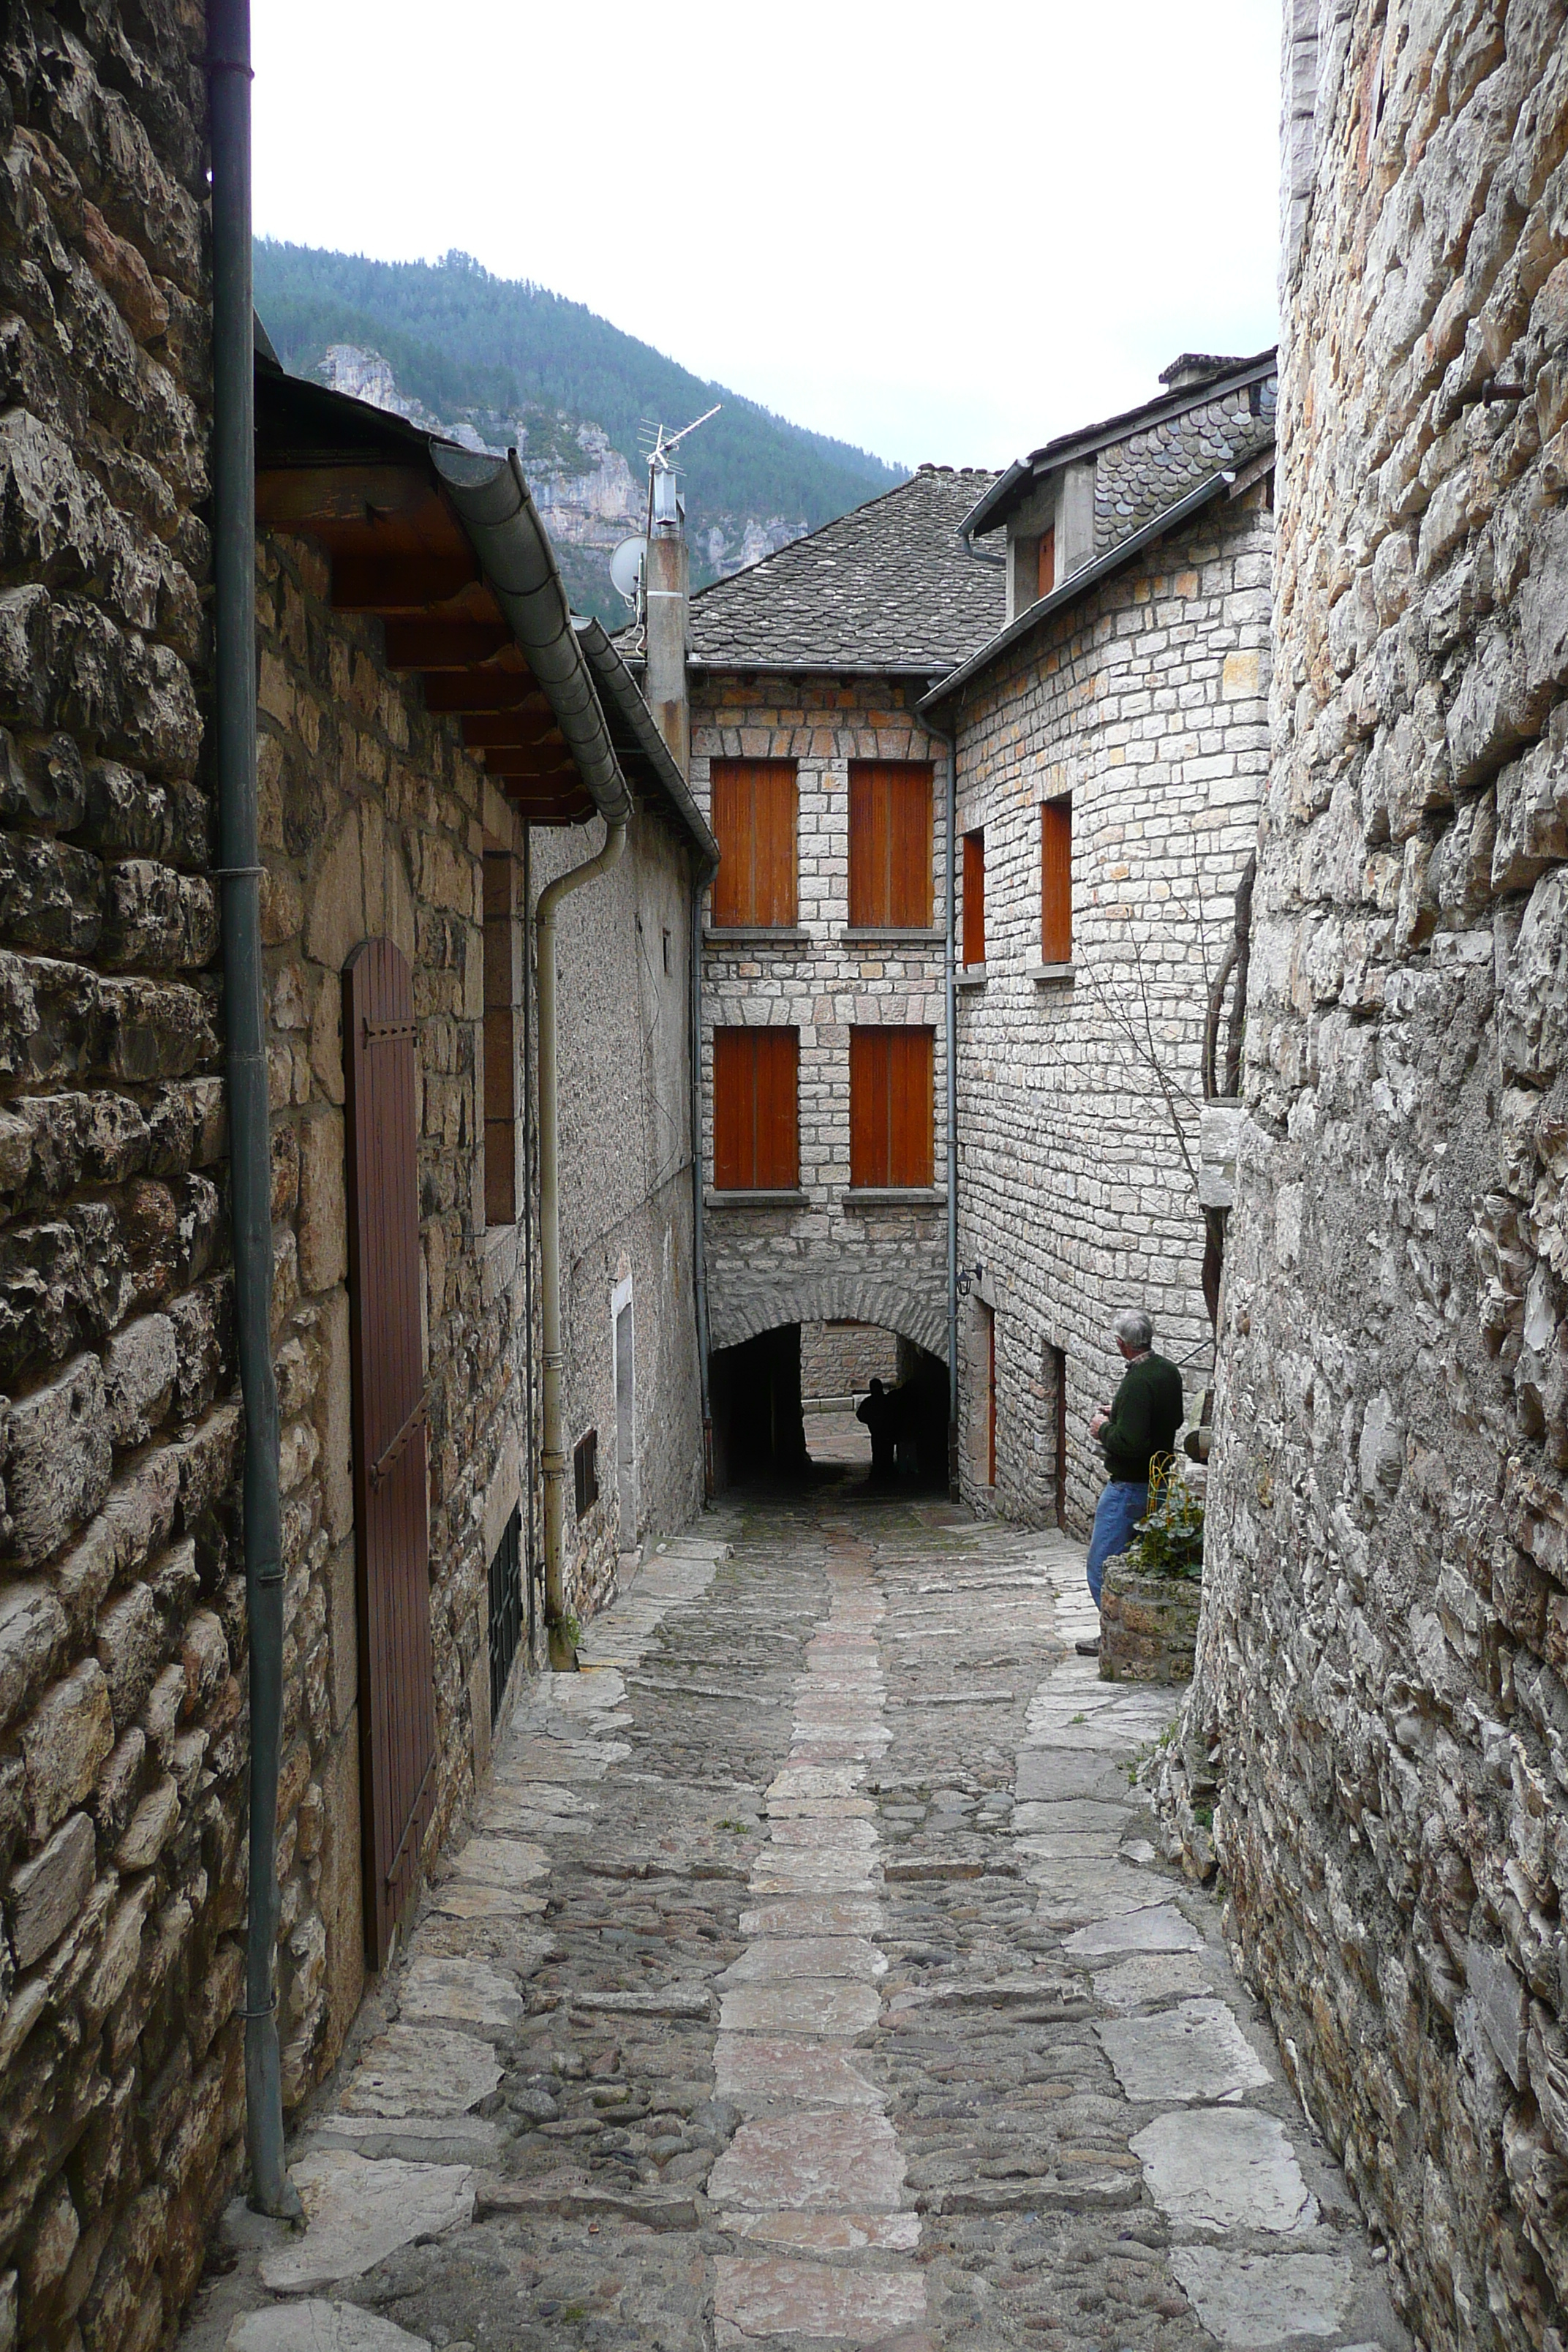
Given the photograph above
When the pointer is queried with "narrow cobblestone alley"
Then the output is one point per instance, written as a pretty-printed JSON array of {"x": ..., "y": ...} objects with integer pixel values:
[{"x": 809, "y": 1977}]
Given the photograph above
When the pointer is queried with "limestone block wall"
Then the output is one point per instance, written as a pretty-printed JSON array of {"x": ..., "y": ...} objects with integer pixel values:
[
  {"x": 121, "y": 1607},
  {"x": 828, "y": 1255},
  {"x": 840, "y": 1358},
  {"x": 1146, "y": 701},
  {"x": 1383, "y": 1671},
  {"x": 624, "y": 1018}
]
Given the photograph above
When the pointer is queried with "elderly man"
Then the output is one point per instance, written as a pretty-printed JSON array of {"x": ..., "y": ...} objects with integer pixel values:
[{"x": 1142, "y": 1422}]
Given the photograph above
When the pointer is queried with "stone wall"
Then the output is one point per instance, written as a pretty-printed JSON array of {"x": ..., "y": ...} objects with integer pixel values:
[
  {"x": 121, "y": 1606},
  {"x": 623, "y": 1016},
  {"x": 842, "y": 1358},
  {"x": 1145, "y": 700},
  {"x": 1382, "y": 1672},
  {"x": 828, "y": 1255}
]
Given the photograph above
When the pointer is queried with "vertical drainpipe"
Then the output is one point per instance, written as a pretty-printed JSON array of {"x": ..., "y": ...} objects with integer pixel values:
[
  {"x": 667, "y": 591},
  {"x": 950, "y": 1020},
  {"x": 250, "y": 1122}
]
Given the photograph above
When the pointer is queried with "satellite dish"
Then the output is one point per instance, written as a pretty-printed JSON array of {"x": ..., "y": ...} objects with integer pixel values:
[{"x": 626, "y": 567}]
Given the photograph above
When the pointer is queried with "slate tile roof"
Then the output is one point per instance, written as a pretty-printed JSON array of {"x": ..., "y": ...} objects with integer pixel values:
[{"x": 888, "y": 587}]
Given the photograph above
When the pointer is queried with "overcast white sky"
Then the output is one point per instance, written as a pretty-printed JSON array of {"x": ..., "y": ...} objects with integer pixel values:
[{"x": 941, "y": 232}]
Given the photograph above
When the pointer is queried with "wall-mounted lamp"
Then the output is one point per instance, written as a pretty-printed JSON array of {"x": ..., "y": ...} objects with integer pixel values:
[{"x": 968, "y": 1281}]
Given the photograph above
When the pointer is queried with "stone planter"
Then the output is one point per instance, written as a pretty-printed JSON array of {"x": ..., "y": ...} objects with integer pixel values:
[{"x": 1148, "y": 1626}]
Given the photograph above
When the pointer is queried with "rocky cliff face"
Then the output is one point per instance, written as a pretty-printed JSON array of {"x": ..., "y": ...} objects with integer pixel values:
[{"x": 581, "y": 482}]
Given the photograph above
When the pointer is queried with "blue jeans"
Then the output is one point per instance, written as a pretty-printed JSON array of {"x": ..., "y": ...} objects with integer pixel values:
[{"x": 1121, "y": 1507}]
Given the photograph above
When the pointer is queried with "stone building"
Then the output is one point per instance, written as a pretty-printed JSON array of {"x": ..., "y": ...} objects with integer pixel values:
[
  {"x": 823, "y": 958},
  {"x": 1382, "y": 1695},
  {"x": 123, "y": 1671},
  {"x": 1111, "y": 745}
]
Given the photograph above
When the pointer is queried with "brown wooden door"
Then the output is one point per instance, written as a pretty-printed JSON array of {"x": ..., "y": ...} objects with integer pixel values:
[
  {"x": 392, "y": 1530},
  {"x": 889, "y": 844},
  {"x": 754, "y": 806}
]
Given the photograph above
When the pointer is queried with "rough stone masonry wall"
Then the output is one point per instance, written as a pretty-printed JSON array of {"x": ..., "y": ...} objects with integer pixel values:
[
  {"x": 828, "y": 1256},
  {"x": 1382, "y": 1675},
  {"x": 624, "y": 1024},
  {"x": 1146, "y": 701},
  {"x": 122, "y": 1607},
  {"x": 374, "y": 822},
  {"x": 841, "y": 1358}
]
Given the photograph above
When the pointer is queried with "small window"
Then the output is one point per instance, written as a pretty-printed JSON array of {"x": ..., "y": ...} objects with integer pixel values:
[
  {"x": 756, "y": 1128},
  {"x": 891, "y": 1108},
  {"x": 754, "y": 805},
  {"x": 500, "y": 1073},
  {"x": 889, "y": 844},
  {"x": 1055, "y": 882},
  {"x": 506, "y": 1608},
  {"x": 585, "y": 1472},
  {"x": 974, "y": 898},
  {"x": 667, "y": 952},
  {"x": 1046, "y": 564}
]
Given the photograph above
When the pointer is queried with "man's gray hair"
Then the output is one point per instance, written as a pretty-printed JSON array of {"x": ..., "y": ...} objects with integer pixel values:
[{"x": 1134, "y": 1329}]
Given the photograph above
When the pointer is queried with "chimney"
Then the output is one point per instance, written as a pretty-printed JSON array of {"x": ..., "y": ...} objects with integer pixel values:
[
  {"x": 669, "y": 593},
  {"x": 1196, "y": 367}
]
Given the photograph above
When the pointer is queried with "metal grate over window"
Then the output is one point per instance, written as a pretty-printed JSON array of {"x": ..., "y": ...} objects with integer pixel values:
[{"x": 506, "y": 1608}]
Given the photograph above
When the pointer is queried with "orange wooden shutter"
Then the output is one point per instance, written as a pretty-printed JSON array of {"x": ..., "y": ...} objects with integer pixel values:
[
  {"x": 1055, "y": 882},
  {"x": 974, "y": 898},
  {"x": 756, "y": 1138},
  {"x": 1048, "y": 563},
  {"x": 755, "y": 823},
  {"x": 891, "y": 1139},
  {"x": 889, "y": 844}
]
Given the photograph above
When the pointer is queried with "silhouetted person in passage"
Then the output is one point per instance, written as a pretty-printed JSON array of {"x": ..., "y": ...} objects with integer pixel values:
[{"x": 882, "y": 1416}]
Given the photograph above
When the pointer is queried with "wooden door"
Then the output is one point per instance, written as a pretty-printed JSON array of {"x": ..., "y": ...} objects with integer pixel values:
[
  {"x": 392, "y": 1530},
  {"x": 889, "y": 844}
]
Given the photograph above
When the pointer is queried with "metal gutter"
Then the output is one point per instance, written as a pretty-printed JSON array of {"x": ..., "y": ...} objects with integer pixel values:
[
  {"x": 238, "y": 873},
  {"x": 1088, "y": 576},
  {"x": 493, "y": 502},
  {"x": 617, "y": 685},
  {"x": 987, "y": 512}
]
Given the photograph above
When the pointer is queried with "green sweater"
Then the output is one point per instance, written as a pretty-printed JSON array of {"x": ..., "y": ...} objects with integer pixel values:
[{"x": 1144, "y": 1418}]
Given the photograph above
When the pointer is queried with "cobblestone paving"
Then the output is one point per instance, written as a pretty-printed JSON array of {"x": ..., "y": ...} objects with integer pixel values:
[{"x": 809, "y": 1978}]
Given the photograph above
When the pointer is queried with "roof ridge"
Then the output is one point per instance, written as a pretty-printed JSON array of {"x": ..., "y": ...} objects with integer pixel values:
[{"x": 754, "y": 571}]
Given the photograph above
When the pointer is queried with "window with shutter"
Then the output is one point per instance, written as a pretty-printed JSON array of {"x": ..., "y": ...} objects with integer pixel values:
[
  {"x": 891, "y": 1116},
  {"x": 756, "y": 1128},
  {"x": 500, "y": 1074},
  {"x": 974, "y": 898},
  {"x": 1055, "y": 882},
  {"x": 753, "y": 813},
  {"x": 1046, "y": 564},
  {"x": 889, "y": 844}
]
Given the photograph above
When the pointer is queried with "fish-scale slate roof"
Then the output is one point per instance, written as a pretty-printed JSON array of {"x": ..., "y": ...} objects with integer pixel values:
[{"x": 890, "y": 588}]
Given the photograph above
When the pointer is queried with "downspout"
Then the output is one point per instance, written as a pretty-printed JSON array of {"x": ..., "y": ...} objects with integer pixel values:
[
  {"x": 562, "y": 1649},
  {"x": 249, "y": 1123},
  {"x": 950, "y": 1031}
]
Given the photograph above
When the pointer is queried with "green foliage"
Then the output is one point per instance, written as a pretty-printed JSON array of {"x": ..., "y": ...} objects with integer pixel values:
[
  {"x": 1170, "y": 1536},
  {"x": 464, "y": 341}
]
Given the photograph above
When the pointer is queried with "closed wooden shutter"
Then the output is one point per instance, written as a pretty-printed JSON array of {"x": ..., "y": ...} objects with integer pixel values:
[
  {"x": 754, "y": 805},
  {"x": 1047, "y": 571},
  {"x": 392, "y": 1532},
  {"x": 889, "y": 844},
  {"x": 973, "y": 897},
  {"x": 892, "y": 1111},
  {"x": 1055, "y": 882},
  {"x": 756, "y": 1129}
]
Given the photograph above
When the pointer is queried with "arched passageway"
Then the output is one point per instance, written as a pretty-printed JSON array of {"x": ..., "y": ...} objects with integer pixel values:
[{"x": 786, "y": 1403}]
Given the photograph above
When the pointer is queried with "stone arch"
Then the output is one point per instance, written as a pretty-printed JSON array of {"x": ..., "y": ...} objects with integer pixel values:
[{"x": 829, "y": 1299}]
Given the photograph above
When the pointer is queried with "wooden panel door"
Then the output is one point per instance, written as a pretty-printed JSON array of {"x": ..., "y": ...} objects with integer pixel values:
[
  {"x": 889, "y": 844},
  {"x": 755, "y": 813},
  {"x": 1055, "y": 882},
  {"x": 392, "y": 1530}
]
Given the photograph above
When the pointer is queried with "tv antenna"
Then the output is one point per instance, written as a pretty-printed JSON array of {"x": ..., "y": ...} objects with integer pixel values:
[{"x": 662, "y": 505}]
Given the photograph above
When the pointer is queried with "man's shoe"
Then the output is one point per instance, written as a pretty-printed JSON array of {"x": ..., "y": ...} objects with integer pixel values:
[{"x": 1088, "y": 1649}]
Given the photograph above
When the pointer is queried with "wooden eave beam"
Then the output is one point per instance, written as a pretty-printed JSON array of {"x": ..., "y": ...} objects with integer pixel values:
[
  {"x": 434, "y": 643},
  {"x": 490, "y": 688},
  {"x": 306, "y": 498},
  {"x": 367, "y": 582}
]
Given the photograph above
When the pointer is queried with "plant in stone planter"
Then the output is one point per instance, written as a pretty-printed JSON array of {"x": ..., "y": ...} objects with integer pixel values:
[{"x": 1169, "y": 1536}]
